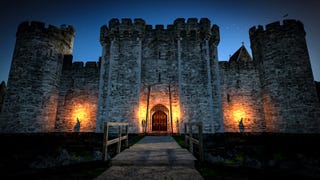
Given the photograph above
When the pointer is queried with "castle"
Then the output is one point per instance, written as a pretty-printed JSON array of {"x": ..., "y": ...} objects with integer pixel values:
[{"x": 159, "y": 78}]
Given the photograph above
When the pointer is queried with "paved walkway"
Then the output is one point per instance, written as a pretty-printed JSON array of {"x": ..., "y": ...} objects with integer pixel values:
[{"x": 155, "y": 158}]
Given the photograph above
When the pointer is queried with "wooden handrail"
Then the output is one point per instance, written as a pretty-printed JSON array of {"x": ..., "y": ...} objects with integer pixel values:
[
  {"x": 189, "y": 138},
  {"x": 117, "y": 140}
]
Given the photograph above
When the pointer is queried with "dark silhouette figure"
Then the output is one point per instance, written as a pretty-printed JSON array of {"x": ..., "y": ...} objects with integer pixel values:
[
  {"x": 241, "y": 126},
  {"x": 77, "y": 126}
]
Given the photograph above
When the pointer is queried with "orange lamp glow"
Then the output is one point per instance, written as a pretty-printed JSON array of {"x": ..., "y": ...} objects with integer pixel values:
[
  {"x": 238, "y": 114},
  {"x": 81, "y": 112}
]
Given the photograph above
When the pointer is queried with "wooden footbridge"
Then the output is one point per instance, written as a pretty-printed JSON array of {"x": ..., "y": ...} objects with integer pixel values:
[{"x": 153, "y": 157}]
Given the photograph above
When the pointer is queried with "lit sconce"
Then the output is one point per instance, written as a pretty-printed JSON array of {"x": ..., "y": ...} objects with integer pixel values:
[{"x": 241, "y": 126}]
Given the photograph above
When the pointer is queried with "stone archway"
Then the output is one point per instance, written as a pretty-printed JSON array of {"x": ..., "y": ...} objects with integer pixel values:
[
  {"x": 159, "y": 121},
  {"x": 159, "y": 118}
]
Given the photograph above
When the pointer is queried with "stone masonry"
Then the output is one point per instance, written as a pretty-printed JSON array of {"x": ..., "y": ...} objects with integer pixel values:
[
  {"x": 173, "y": 70},
  {"x": 31, "y": 101},
  {"x": 287, "y": 87}
]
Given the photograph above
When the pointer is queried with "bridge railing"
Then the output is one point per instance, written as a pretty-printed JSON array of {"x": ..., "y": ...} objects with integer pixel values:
[
  {"x": 117, "y": 140},
  {"x": 190, "y": 140}
]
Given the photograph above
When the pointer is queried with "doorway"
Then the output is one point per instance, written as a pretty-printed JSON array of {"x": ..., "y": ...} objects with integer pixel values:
[{"x": 159, "y": 121}]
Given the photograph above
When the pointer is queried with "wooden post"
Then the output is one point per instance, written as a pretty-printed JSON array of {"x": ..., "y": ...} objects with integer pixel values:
[
  {"x": 200, "y": 142},
  {"x": 185, "y": 133},
  {"x": 147, "y": 113},
  {"x": 119, "y": 141},
  {"x": 190, "y": 139},
  {"x": 105, "y": 139},
  {"x": 127, "y": 140},
  {"x": 170, "y": 102}
]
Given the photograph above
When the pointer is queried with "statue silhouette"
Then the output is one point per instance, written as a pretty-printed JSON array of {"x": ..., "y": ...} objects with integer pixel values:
[
  {"x": 76, "y": 127},
  {"x": 241, "y": 126}
]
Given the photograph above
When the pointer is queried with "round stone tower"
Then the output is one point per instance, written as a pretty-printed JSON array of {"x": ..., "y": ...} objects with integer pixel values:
[
  {"x": 288, "y": 91},
  {"x": 31, "y": 101}
]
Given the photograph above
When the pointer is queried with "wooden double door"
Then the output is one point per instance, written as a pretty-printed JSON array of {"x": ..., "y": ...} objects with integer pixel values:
[{"x": 159, "y": 121}]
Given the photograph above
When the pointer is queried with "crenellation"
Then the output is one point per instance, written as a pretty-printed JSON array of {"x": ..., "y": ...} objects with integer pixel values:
[
  {"x": 139, "y": 25},
  {"x": 292, "y": 23},
  {"x": 64, "y": 34},
  {"x": 275, "y": 26},
  {"x": 170, "y": 27},
  {"x": 91, "y": 65},
  {"x": 148, "y": 27},
  {"x": 231, "y": 66},
  {"x": 43, "y": 49},
  {"x": 288, "y": 24},
  {"x": 215, "y": 35},
  {"x": 37, "y": 25},
  {"x": 192, "y": 24},
  {"x": 254, "y": 30},
  {"x": 126, "y": 22},
  {"x": 193, "y": 29},
  {"x": 205, "y": 24},
  {"x": 175, "y": 70},
  {"x": 159, "y": 27},
  {"x": 77, "y": 65},
  {"x": 287, "y": 87},
  {"x": 139, "y": 22},
  {"x": 113, "y": 24},
  {"x": 179, "y": 24},
  {"x": 104, "y": 33}
]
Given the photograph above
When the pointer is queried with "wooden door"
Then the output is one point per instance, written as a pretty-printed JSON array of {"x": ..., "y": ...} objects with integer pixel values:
[{"x": 159, "y": 121}]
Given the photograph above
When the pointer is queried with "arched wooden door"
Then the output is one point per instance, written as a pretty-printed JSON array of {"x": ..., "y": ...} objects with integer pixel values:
[{"x": 159, "y": 121}]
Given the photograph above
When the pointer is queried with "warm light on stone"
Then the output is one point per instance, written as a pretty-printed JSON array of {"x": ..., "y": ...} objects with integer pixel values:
[
  {"x": 84, "y": 112},
  {"x": 238, "y": 114},
  {"x": 164, "y": 77}
]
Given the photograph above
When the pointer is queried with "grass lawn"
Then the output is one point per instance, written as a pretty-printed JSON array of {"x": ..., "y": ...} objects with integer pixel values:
[
  {"x": 79, "y": 171},
  {"x": 225, "y": 172}
]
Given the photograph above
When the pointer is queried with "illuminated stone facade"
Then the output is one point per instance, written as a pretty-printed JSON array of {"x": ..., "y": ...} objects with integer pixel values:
[
  {"x": 161, "y": 77},
  {"x": 142, "y": 68}
]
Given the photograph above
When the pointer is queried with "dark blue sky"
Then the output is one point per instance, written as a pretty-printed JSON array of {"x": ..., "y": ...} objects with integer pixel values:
[{"x": 87, "y": 16}]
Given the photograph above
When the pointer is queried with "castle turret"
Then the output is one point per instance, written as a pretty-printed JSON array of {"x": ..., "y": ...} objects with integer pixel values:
[
  {"x": 288, "y": 91},
  {"x": 171, "y": 75},
  {"x": 120, "y": 73},
  {"x": 32, "y": 95}
]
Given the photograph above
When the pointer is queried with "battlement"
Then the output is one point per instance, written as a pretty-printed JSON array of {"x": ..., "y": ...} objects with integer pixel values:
[
  {"x": 39, "y": 27},
  {"x": 192, "y": 24},
  {"x": 78, "y": 65},
  {"x": 289, "y": 24},
  {"x": 236, "y": 66},
  {"x": 192, "y": 28}
]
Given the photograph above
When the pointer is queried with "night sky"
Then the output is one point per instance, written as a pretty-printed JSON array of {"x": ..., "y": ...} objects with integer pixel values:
[{"x": 87, "y": 16}]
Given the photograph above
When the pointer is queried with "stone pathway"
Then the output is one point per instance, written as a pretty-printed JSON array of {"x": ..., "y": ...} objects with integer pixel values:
[{"x": 155, "y": 158}]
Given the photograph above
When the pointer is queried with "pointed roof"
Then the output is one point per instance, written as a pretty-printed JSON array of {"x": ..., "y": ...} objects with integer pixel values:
[{"x": 241, "y": 55}]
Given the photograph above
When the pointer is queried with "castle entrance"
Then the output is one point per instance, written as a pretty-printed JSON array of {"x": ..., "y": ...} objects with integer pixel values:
[{"x": 159, "y": 121}]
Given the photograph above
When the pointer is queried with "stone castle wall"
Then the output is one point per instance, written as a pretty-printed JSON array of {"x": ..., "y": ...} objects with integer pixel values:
[
  {"x": 241, "y": 96},
  {"x": 121, "y": 79},
  {"x": 78, "y": 96},
  {"x": 144, "y": 69},
  {"x": 153, "y": 60},
  {"x": 34, "y": 79},
  {"x": 288, "y": 92}
]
